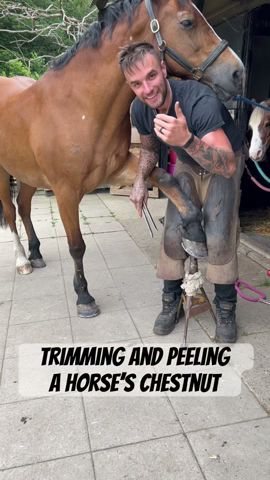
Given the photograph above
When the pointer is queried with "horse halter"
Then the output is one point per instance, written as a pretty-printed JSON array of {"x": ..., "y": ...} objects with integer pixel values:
[{"x": 197, "y": 72}]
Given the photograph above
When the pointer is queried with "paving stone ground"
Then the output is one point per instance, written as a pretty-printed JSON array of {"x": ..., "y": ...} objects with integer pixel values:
[{"x": 110, "y": 437}]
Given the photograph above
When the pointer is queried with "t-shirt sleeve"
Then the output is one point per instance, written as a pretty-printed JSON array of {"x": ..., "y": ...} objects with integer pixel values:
[
  {"x": 137, "y": 116},
  {"x": 206, "y": 115}
]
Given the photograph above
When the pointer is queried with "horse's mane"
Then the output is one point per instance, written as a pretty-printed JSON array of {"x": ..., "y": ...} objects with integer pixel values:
[{"x": 108, "y": 18}]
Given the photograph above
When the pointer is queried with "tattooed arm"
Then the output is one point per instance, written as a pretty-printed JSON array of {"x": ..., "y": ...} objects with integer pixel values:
[
  {"x": 149, "y": 155},
  {"x": 213, "y": 152}
]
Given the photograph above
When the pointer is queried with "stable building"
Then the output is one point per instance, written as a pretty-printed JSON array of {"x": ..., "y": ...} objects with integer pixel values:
[{"x": 246, "y": 26}]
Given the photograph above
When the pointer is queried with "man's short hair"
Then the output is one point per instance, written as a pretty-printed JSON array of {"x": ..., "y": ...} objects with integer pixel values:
[{"x": 133, "y": 53}]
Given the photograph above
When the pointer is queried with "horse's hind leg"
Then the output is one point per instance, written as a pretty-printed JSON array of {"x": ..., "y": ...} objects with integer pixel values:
[
  {"x": 24, "y": 207},
  {"x": 8, "y": 213},
  {"x": 68, "y": 203}
]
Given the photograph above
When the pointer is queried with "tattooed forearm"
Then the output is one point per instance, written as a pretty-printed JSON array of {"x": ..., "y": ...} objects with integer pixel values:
[
  {"x": 149, "y": 155},
  {"x": 214, "y": 160}
]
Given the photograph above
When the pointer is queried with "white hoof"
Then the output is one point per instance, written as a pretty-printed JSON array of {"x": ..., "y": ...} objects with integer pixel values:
[{"x": 25, "y": 269}]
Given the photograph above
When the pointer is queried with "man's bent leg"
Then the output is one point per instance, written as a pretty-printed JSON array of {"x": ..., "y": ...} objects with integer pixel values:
[
  {"x": 172, "y": 272},
  {"x": 222, "y": 229}
]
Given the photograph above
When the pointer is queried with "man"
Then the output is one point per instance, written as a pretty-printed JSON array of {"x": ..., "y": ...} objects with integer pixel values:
[{"x": 189, "y": 117}]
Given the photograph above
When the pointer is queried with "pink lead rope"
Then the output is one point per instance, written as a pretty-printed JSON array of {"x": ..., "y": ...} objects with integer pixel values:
[
  {"x": 260, "y": 296},
  {"x": 172, "y": 162}
]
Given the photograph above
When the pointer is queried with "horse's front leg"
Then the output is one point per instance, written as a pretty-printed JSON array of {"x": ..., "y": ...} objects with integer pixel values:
[
  {"x": 193, "y": 236},
  {"x": 192, "y": 233},
  {"x": 68, "y": 204},
  {"x": 24, "y": 207}
]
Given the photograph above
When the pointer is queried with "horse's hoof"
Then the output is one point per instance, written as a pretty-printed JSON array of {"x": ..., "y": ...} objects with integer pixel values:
[
  {"x": 25, "y": 269},
  {"x": 38, "y": 263},
  {"x": 195, "y": 249},
  {"x": 88, "y": 311}
]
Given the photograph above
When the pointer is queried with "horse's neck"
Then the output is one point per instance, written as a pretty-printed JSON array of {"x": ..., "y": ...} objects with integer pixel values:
[
  {"x": 97, "y": 69},
  {"x": 96, "y": 77}
]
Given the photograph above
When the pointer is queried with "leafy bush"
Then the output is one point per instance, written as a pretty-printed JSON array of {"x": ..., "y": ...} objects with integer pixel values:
[{"x": 33, "y": 32}]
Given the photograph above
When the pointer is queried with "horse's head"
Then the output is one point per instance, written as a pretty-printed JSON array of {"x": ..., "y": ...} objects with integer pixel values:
[
  {"x": 190, "y": 46},
  {"x": 203, "y": 56},
  {"x": 259, "y": 122}
]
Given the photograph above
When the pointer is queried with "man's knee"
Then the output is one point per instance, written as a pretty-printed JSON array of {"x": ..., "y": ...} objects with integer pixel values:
[
  {"x": 221, "y": 248},
  {"x": 172, "y": 242}
]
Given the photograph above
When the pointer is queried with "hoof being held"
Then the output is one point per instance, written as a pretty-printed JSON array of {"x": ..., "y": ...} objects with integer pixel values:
[
  {"x": 195, "y": 249},
  {"x": 88, "y": 311},
  {"x": 38, "y": 263},
  {"x": 24, "y": 269}
]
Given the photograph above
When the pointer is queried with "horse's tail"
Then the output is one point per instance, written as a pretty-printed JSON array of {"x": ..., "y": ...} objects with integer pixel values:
[
  {"x": 13, "y": 187},
  {"x": 3, "y": 221},
  {"x": 13, "y": 192}
]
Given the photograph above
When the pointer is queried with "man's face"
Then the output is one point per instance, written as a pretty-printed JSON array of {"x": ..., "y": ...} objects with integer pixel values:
[{"x": 148, "y": 81}]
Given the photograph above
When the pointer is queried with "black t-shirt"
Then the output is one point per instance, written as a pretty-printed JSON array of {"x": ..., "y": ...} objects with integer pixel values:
[{"x": 204, "y": 113}]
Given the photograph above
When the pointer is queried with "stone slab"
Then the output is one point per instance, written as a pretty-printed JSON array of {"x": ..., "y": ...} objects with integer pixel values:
[
  {"x": 165, "y": 458},
  {"x": 234, "y": 452},
  {"x": 201, "y": 413},
  {"x": 113, "y": 326},
  {"x": 40, "y": 430},
  {"x": 51, "y": 331},
  {"x": 119, "y": 421},
  {"x": 44, "y": 308},
  {"x": 5, "y": 308},
  {"x": 77, "y": 466}
]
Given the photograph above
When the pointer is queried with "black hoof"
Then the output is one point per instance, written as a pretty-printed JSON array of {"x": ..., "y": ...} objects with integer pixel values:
[
  {"x": 195, "y": 249},
  {"x": 88, "y": 311},
  {"x": 38, "y": 263}
]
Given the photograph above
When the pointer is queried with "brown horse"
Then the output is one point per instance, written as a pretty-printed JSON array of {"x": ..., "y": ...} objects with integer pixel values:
[
  {"x": 11, "y": 88},
  {"x": 259, "y": 122},
  {"x": 70, "y": 130}
]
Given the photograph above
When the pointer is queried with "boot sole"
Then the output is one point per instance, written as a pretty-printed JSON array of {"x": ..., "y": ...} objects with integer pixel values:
[
  {"x": 225, "y": 340},
  {"x": 161, "y": 331}
]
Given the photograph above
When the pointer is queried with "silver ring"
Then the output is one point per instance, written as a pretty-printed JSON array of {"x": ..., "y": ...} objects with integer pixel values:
[{"x": 161, "y": 130}]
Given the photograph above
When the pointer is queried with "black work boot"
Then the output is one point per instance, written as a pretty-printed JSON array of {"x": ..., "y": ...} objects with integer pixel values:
[
  {"x": 169, "y": 315},
  {"x": 226, "y": 330},
  {"x": 225, "y": 301}
]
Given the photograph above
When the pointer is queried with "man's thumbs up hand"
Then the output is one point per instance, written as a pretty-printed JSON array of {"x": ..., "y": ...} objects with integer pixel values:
[
  {"x": 178, "y": 111},
  {"x": 171, "y": 130}
]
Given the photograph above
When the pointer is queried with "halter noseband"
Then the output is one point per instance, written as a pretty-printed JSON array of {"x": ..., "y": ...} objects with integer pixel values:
[{"x": 197, "y": 72}]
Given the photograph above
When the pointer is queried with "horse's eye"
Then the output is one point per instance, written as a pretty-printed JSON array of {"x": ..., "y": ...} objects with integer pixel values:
[
  {"x": 267, "y": 124},
  {"x": 187, "y": 24}
]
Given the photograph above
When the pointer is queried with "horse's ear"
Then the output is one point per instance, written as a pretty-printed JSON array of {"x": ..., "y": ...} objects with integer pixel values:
[{"x": 100, "y": 4}]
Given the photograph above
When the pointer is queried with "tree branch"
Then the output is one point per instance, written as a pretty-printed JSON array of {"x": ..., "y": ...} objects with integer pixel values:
[{"x": 34, "y": 23}]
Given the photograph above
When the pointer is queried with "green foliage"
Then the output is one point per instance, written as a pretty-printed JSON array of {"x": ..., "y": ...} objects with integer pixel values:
[
  {"x": 33, "y": 32},
  {"x": 16, "y": 67}
]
